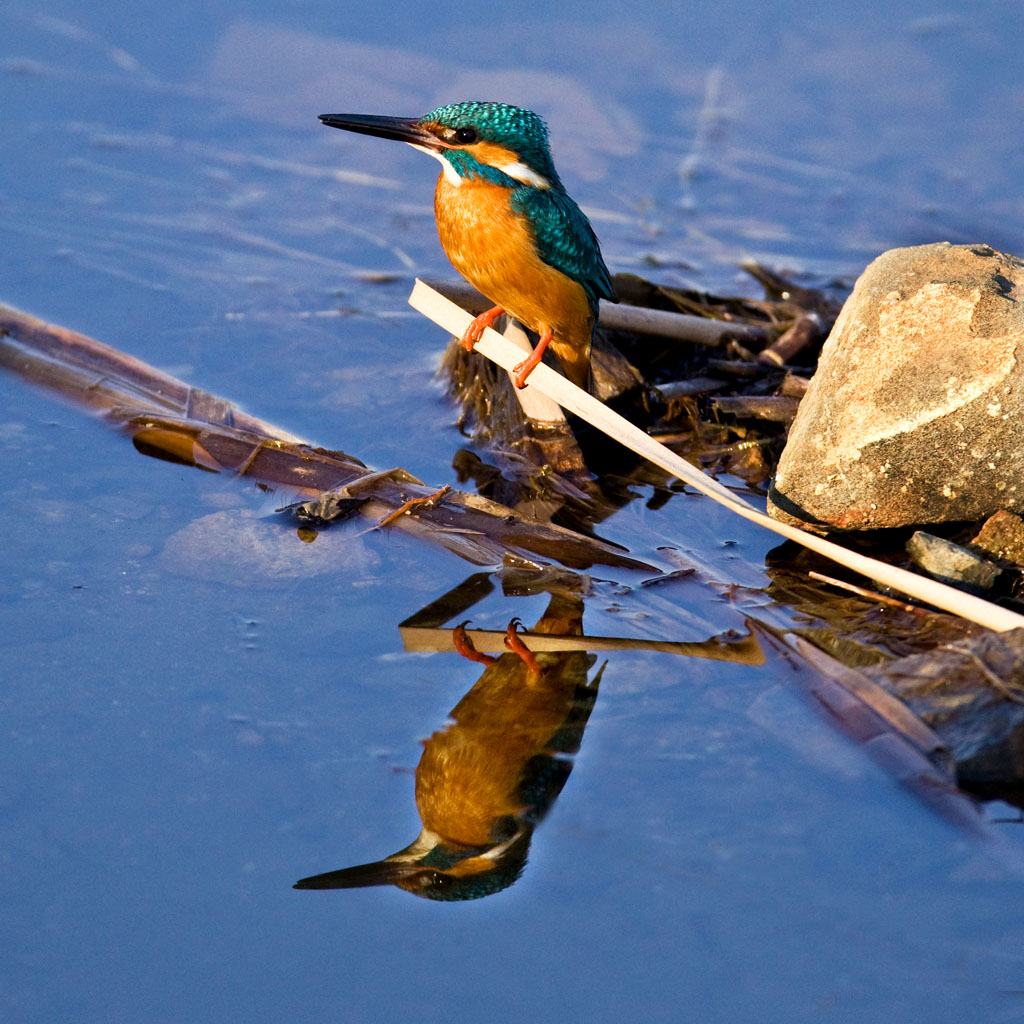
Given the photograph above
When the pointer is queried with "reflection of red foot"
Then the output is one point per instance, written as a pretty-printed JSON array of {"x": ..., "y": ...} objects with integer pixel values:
[
  {"x": 472, "y": 334},
  {"x": 465, "y": 646},
  {"x": 515, "y": 644}
]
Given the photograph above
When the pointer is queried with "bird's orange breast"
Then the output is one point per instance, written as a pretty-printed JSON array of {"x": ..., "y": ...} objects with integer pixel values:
[
  {"x": 470, "y": 776},
  {"x": 493, "y": 247}
]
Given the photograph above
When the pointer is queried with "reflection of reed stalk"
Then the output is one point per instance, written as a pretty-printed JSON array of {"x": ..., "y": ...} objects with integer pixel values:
[{"x": 744, "y": 650}]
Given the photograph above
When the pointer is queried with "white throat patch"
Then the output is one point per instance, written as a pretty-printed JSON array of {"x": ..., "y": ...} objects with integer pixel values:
[{"x": 450, "y": 174}]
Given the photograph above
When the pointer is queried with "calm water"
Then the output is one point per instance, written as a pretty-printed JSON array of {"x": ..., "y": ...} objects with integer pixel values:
[{"x": 193, "y": 720}]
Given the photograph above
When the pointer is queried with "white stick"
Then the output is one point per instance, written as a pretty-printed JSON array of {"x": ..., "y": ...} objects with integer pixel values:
[
  {"x": 454, "y": 320},
  {"x": 536, "y": 406}
]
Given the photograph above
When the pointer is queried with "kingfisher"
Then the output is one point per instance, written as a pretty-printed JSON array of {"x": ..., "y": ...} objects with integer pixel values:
[
  {"x": 507, "y": 224},
  {"x": 484, "y": 782}
]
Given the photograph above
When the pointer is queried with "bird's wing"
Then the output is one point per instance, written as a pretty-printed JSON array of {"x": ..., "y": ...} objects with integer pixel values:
[{"x": 565, "y": 240}]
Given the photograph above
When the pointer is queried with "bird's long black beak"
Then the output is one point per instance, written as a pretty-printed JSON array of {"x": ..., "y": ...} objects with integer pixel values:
[
  {"x": 381, "y": 872},
  {"x": 403, "y": 129}
]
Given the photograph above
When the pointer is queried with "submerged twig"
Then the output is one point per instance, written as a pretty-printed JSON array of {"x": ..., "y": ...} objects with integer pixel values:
[
  {"x": 423, "y": 504},
  {"x": 883, "y": 725},
  {"x": 870, "y": 595},
  {"x": 168, "y": 419}
]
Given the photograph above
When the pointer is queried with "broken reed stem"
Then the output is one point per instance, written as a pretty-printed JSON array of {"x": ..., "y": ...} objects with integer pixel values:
[
  {"x": 618, "y": 316},
  {"x": 454, "y": 320}
]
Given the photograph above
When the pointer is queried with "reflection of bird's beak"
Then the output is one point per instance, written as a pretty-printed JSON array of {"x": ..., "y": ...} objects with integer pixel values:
[
  {"x": 403, "y": 129},
  {"x": 380, "y": 872}
]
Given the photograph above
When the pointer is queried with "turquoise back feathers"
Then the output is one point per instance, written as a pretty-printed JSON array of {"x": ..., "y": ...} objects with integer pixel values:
[{"x": 565, "y": 240}]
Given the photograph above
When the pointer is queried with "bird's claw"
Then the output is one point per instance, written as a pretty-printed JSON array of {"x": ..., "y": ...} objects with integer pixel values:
[
  {"x": 465, "y": 646},
  {"x": 523, "y": 370},
  {"x": 474, "y": 332},
  {"x": 514, "y": 642}
]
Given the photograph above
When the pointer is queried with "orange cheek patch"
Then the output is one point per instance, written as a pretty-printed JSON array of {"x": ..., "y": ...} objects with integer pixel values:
[{"x": 493, "y": 154}]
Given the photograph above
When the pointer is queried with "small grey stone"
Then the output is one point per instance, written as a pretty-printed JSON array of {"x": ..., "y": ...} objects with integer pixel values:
[{"x": 951, "y": 562}]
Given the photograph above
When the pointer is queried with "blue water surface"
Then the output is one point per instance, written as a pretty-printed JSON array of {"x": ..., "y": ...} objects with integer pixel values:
[{"x": 198, "y": 709}]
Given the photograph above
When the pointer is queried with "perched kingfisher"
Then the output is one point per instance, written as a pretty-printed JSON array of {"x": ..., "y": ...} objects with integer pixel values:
[
  {"x": 484, "y": 782},
  {"x": 508, "y": 225}
]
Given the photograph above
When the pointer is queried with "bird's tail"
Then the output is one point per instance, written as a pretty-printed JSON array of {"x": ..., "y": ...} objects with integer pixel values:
[{"x": 573, "y": 355}]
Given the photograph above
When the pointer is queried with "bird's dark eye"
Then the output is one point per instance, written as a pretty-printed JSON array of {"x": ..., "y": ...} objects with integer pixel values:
[{"x": 465, "y": 135}]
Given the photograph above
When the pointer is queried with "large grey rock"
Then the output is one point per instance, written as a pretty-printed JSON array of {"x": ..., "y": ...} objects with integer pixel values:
[{"x": 914, "y": 414}]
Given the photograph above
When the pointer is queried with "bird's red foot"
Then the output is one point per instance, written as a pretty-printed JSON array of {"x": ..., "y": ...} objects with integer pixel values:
[
  {"x": 523, "y": 370},
  {"x": 465, "y": 646},
  {"x": 514, "y": 642},
  {"x": 472, "y": 334}
]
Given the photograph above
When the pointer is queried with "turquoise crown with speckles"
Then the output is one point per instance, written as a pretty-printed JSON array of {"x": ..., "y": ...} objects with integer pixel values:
[{"x": 515, "y": 128}]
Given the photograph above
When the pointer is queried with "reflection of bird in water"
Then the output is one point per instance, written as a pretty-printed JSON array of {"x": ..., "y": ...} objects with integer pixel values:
[
  {"x": 486, "y": 780},
  {"x": 507, "y": 224}
]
